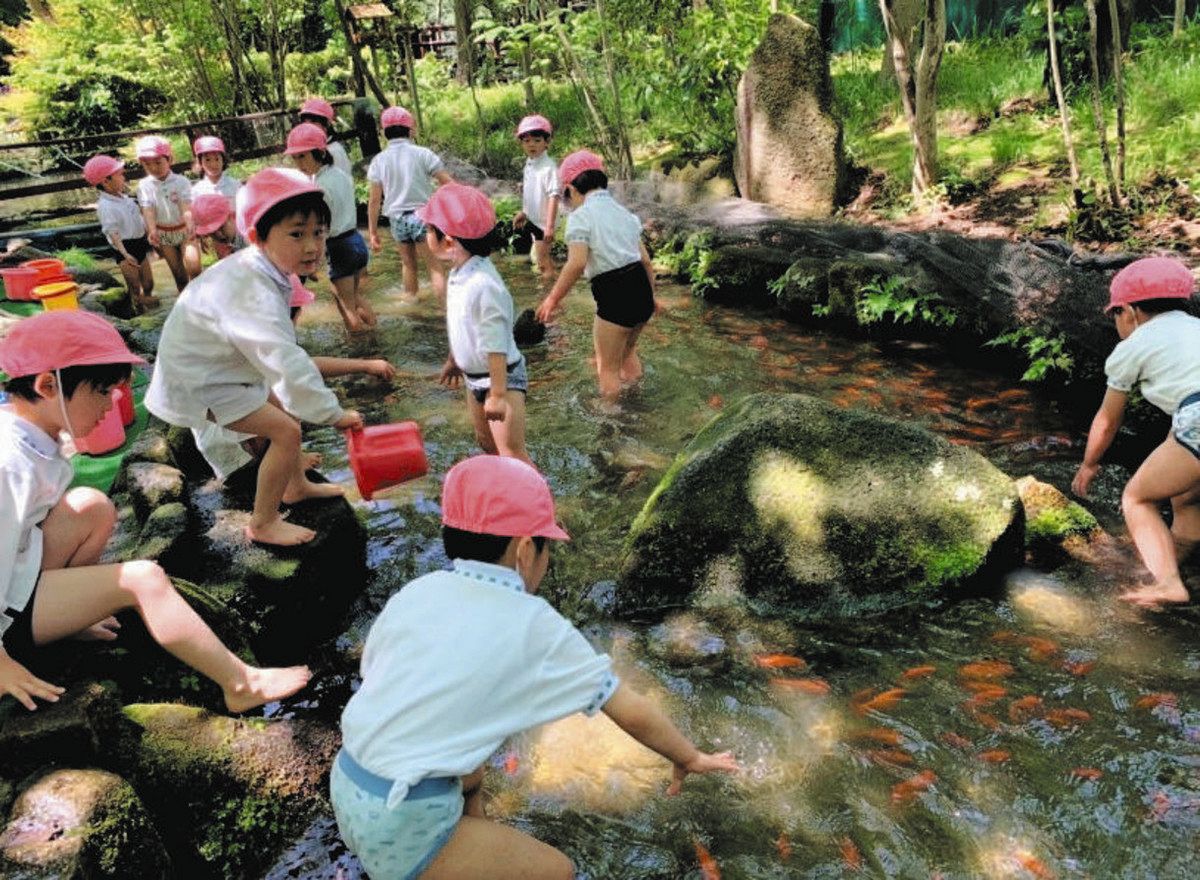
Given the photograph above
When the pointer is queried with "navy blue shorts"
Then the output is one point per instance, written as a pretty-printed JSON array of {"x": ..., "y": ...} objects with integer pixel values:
[
  {"x": 137, "y": 248},
  {"x": 624, "y": 296},
  {"x": 18, "y": 638},
  {"x": 348, "y": 254}
]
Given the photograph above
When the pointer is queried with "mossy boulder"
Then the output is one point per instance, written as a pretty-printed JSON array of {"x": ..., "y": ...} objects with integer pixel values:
[
  {"x": 81, "y": 825},
  {"x": 1056, "y": 526},
  {"x": 228, "y": 793},
  {"x": 819, "y": 512}
]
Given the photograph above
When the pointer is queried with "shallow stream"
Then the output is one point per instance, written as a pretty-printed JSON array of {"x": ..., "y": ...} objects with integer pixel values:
[{"x": 1066, "y": 766}]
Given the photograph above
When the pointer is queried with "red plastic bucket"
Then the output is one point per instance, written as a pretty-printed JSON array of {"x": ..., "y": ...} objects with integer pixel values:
[
  {"x": 108, "y": 435},
  {"x": 386, "y": 455},
  {"x": 19, "y": 283},
  {"x": 46, "y": 268},
  {"x": 124, "y": 395}
]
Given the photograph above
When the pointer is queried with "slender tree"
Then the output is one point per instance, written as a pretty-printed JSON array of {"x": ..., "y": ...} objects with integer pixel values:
[
  {"x": 1119, "y": 84},
  {"x": 618, "y": 114},
  {"x": 1114, "y": 193},
  {"x": 463, "y": 13},
  {"x": 918, "y": 85},
  {"x": 1063, "y": 111},
  {"x": 1180, "y": 14}
]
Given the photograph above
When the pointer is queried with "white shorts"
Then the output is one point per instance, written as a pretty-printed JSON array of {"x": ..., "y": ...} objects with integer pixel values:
[{"x": 226, "y": 404}]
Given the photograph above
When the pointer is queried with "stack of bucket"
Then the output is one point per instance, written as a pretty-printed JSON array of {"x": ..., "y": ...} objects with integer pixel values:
[{"x": 54, "y": 288}]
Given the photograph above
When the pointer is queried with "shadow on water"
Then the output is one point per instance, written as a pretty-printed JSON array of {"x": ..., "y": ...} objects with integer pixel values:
[{"x": 1076, "y": 753}]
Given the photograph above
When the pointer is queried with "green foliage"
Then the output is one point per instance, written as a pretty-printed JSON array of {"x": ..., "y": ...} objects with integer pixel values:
[
  {"x": 1046, "y": 354},
  {"x": 77, "y": 258},
  {"x": 1056, "y": 523},
  {"x": 691, "y": 259},
  {"x": 893, "y": 297},
  {"x": 1094, "y": 219}
]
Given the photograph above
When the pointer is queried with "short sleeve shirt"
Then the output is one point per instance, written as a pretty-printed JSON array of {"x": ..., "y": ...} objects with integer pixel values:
[
  {"x": 539, "y": 186},
  {"x": 479, "y": 316},
  {"x": 405, "y": 171},
  {"x": 120, "y": 216},
  {"x": 341, "y": 159},
  {"x": 169, "y": 198},
  {"x": 612, "y": 233},
  {"x": 1162, "y": 356},
  {"x": 227, "y": 186},
  {"x": 339, "y": 195}
]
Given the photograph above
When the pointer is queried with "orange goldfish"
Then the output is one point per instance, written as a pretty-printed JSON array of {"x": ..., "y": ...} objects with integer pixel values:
[
  {"x": 1079, "y": 668},
  {"x": 1006, "y": 637},
  {"x": 783, "y": 846},
  {"x": 991, "y": 722},
  {"x": 716, "y": 401},
  {"x": 778, "y": 661},
  {"x": 851, "y": 857},
  {"x": 995, "y": 756},
  {"x": 986, "y": 670},
  {"x": 985, "y": 692},
  {"x": 882, "y": 702},
  {"x": 890, "y": 756},
  {"x": 1153, "y": 701},
  {"x": 1041, "y": 649},
  {"x": 815, "y": 687},
  {"x": 883, "y": 735},
  {"x": 1091, "y": 774},
  {"x": 951, "y": 738},
  {"x": 904, "y": 792},
  {"x": 708, "y": 865},
  {"x": 918, "y": 672},
  {"x": 1025, "y": 707},
  {"x": 1035, "y": 866},
  {"x": 512, "y": 763},
  {"x": 1062, "y": 718}
]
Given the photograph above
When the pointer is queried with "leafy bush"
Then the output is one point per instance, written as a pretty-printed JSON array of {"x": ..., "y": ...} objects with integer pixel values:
[
  {"x": 893, "y": 298},
  {"x": 1045, "y": 353}
]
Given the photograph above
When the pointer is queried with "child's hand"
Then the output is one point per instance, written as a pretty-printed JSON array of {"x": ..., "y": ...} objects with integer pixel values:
[
  {"x": 519, "y": 220},
  {"x": 21, "y": 684},
  {"x": 351, "y": 420},
  {"x": 451, "y": 375},
  {"x": 495, "y": 408},
  {"x": 721, "y": 762},
  {"x": 152, "y": 237},
  {"x": 546, "y": 309},
  {"x": 130, "y": 260},
  {"x": 381, "y": 368},
  {"x": 1083, "y": 479},
  {"x": 376, "y": 245},
  {"x": 104, "y": 631}
]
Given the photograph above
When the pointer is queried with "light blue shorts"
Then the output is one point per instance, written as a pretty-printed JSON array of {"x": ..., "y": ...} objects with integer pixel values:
[
  {"x": 406, "y": 228},
  {"x": 1185, "y": 424},
  {"x": 394, "y": 844}
]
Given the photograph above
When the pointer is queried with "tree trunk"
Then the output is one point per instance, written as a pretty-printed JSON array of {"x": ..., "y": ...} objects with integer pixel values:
[
  {"x": 277, "y": 49},
  {"x": 1180, "y": 14},
  {"x": 908, "y": 17},
  {"x": 626, "y": 153},
  {"x": 1114, "y": 194},
  {"x": 462, "y": 45},
  {"x": 1119, "y": 84},
  {"x": 410, "y": 71},
  {"x": 362, "y": 76},
  {"x": 1063, "y": 111},
  {"x": 526, "y": 58},
  {"x": 918, "y": 89}
]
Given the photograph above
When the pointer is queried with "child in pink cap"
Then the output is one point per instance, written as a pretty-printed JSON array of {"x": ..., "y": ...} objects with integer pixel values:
[
  {"x": 402, "y": 178},
  {"x": 122, "y": 224},
  {"x": 604, "y": 244},
  {"x": 165, "y": 199},
  {"x": 63, "y": 366},
  {"x": 479, "y": 318},
  {"x": 211, "y": 164},
  {"x": 1159, "y": 353},
  {"x": 539, "y": 191},
  {"x": 320, "y": 112},
  {"x": 457, "y": 662},
  {"x": 228, "y": 353}
]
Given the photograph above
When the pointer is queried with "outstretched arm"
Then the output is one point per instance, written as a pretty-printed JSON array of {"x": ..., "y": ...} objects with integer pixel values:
[
  {"x": 1100, "y": 436},
  {"x": 577, "y": 257}
]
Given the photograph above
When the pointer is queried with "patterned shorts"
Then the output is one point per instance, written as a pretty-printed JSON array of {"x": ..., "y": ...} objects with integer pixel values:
[
  {"x": 173, "y": 238},
  {"x": 394, "y": 844},
  {"x": 407, "y": 229},
  {"x": 1185, "y": 424}
]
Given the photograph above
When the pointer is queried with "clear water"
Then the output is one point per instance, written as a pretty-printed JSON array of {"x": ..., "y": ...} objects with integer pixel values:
[{"x": 1019, "y": 789}]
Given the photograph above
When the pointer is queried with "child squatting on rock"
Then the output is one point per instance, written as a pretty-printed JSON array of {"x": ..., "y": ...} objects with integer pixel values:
[
  {"x": 457, "y": 662},
  {"x": 63, "y": 366},
  {"x": 228, "y": 353},
  {"x": 1159, "y": 352}
]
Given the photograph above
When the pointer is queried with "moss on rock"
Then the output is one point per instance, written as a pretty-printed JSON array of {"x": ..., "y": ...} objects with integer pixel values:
[
  {"x": 1054, "y": 524},
  {"x": 823, "y": 511}
]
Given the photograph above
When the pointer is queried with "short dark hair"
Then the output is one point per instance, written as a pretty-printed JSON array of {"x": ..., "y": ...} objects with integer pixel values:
[
  {"x": 590, "y": 180},
  {"x": 322, "y": 156},
  {"x": 396, "y": 131},
  {"x": 1158, "y": 306},
  {"x": 537, "y": 132},
  {"x": 481, "y": 547},
  {"x": 224, "y": 158},
  {"x": 317, "y": 120},
  {"x": 305, "y": 204},
  {"x": 99, "y": 376},
  {"x": 476, "y": 247}
]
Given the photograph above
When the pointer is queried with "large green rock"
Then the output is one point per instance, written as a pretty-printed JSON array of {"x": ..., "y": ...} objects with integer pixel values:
[{"x": 807, "y": 508}]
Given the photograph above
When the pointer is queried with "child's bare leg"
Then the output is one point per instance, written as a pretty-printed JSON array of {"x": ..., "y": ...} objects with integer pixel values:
[
  {"x": 481, "y": 848},
  {"x": 483, "y": 433},
  {"x": 408, "y": 261},
  {"x": 343, "y": 294},
  {"x": 133, "y": 283},
  {"x": 437, "y": 271},
  {"x": 174, "y": 257},
  {"x": 1170, "y": 471},
  {"x": 509, "y": 435},
  {"x": 1185, "y": 522},
  {"x": 361, "y": 306},
  {"x": 76, "y": 530},
  {"x": 611, "y": 341},
  {"x": 146, "y": 272},
  {"x": 541, "y": 255},
  {"x": 72, "y": 599},
  {"x": 631, "y": 364},
  {"x": 279, "y": 470},
  {"x": 191, "y": 258}
]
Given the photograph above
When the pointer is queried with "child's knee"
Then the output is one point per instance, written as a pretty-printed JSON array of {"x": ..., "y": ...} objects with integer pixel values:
[
  {"x": 286, "y": 435},
  {"x": 564, "y": 868},
  {"x": 145, "y": 579},
  {"x": 92, "y": 504}
]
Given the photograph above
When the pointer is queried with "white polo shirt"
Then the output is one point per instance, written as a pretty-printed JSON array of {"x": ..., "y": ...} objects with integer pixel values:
[
  {"x": 406, "y": 173},
  {"x": 169, "y": 198},
  {"x": 539, "y": 186},
  {"x": 479, "y": 316},
  {"x": 339, "y": 195},
  {"x": 120, "y": 216},
  {"x": 33, "y": 477},
  {"x": 1163, "y": 356},
  {"x": 457, "y": 662},
  {"x": 341, "y": 159},
  {"x": 226, "y": 186},
  {"x": 612, "y": 233}
]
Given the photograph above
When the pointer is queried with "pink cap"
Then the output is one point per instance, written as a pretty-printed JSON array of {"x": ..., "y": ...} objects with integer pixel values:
[
  {"x": 301, "y": 295},
  {"x": 397, "y": 116},
  {"x": 209, "y": 212},
  {"x": 496, "y": 495},
  {"x": 268, "y": 188},
  {"x": 318, "y": 107},
  {"x": 152, "y": 146},
  {"x": 1150, "y": 278},
  {"x": 99, "y": 167},
  {"x": 460, "y": 211},
  {"x": 577, "y": 163},
  {"x": 208, "y": 144},
  {"x": 62, "y": 338},
  {"x": 305, "y": 137},
  {"x": 534, "y": 123}
]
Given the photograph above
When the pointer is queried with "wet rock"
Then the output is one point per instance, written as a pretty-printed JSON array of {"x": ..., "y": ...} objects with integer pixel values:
[
  {"x": 228, "y": 794},
  {"x": 789, "y": 143},
  {"x": 73, "y": 729},
  {"x": 113, "y": 302},
  {"x": 688, "y": 641},
  {"x": 164, "y": 535},
  {"x": 144, "y": 331},
  {"x": 151, "y": 485},
  {"x": 1057, "y": 527},
  {"x": 820, "y": 511},
  {"x": 528, "y": 330},
  {"x": 103, "y": 280},
  {"x": 81, "y": 825},
  {"x": 150, "y": 445}
]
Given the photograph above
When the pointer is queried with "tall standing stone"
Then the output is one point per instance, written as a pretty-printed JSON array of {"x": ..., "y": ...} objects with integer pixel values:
[{"x": 789, "y": 144}]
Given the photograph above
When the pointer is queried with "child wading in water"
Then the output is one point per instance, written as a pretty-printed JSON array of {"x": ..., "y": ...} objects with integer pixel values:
[
  {"x": 211, "y": 162},
  {"x": 479, "y": 319},
  {"x": 604, "y": 244},
  {"x": 402, "y": 179},
  {"x": 122, "y": 224},
  {"x": 539, "y": 191},
  {"x": 165, "y": 198},
  {"x": 407, "y": 785},
  {"x": 308, "y": 148},
  {"x": 63, "y": 366},
  {"x": 1159, "y": 352},
  {"x": 228, "y": 353}
]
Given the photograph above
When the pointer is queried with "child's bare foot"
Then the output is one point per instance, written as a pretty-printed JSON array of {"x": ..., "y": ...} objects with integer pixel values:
[
  {"x": 409, "y": 299},
  {"x": 279, "y": 533},
  {"x": 366, "y": 313},
  {"x": 310, "y": 491},
  {"x": 265, "y": 685},
  {"x": 310, "y": 460},
  {"x": 147, "y": 303},
  {"x": 1156, "y": 594}
]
